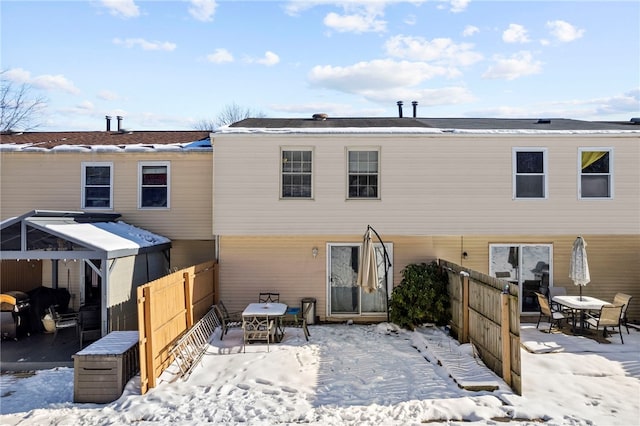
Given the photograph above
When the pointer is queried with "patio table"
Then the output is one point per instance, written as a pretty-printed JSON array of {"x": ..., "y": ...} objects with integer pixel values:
[
  {"x": 268, "y": 310},
  {"x": 580, "y": 305}
]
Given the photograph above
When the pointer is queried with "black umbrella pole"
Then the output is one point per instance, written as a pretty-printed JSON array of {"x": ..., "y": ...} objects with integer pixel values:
[{"x": 387, "y": 265}]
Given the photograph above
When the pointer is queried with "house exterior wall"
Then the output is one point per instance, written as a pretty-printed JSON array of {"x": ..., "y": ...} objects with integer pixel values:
[
  {"x": 429, "y": 185},
  {"x": 249, "y": 265},
  {"x": 52, "y": 180},
  {"x": 440, "y": 195}
]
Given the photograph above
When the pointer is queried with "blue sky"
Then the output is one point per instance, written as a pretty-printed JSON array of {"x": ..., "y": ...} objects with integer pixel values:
[{"x": 165, "y": 65}]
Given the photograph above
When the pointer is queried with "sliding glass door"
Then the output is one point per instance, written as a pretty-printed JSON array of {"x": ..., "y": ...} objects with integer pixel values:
[
  {"x": 527, "y": 265},
  {"x": 345, "y": 296}
]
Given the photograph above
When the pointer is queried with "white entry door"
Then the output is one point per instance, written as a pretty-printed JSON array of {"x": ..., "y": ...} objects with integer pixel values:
[{"x": 345, "y": 296}]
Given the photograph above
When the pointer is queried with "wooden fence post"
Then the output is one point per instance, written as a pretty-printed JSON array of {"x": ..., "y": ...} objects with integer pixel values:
[
  {"x": 506, "y": 338},
  {"x": 188, "y": 292},
  {"x": 464, "y": 279}
]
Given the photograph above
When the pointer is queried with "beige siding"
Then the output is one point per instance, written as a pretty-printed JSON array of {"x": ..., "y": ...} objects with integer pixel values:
[
  {"x": 52, "y": 181},
  {"x": 430, "y": 185},
  {"x": 249, "y": 265},
  {"x": 186, "y": 253}
]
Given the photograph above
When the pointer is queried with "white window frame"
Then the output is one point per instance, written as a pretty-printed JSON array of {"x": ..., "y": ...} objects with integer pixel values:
[
  {"x": 311, "y": 173},
  {"x": 519, "y": 281},
  {"x": 141, "y": 166},
  {"x": 379, "y": 248},
  {"x": 544, "y": 174},
  {"x": 610, "y": 174},
  {"x": 83, "y": 197},
  {"x": 378, "y": 174}
]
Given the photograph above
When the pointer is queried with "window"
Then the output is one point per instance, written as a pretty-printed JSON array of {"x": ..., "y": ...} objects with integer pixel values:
[
  {"x": 595, "y": 176},
  {"x": 296, "y": 173},
  {"x": 529, "y": 173},
  {"x": 97, "y": 185},
  {"x": 363, "y": 174},
  {"x": 154, "y": 185}
]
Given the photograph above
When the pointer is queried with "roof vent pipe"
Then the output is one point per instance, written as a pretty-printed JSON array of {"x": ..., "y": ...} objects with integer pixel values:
[
  {"x": 400, "y": 109},
  {"x": 108, "y": 118},
  {"x": 415, "y": 108},
  {"x": 119, "y": 117}
]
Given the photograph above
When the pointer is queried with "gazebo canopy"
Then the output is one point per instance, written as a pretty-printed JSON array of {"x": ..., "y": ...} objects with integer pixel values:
[{"x": 46, "y": 234}]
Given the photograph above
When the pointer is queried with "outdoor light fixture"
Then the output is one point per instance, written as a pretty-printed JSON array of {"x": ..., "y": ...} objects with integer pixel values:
[
  {"x": 465, "y": 254},
  {"x": 314, "y": 252}
]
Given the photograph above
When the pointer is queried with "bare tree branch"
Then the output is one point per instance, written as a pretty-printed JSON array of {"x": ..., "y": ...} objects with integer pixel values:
[
  {"x": 205, "y": 125},
  {"x": 18, "y": 108},
  {"x": 230, "y": 114}
]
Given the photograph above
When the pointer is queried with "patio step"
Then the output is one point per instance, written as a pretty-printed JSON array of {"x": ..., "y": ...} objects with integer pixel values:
[{"x": 466, "y": 370}]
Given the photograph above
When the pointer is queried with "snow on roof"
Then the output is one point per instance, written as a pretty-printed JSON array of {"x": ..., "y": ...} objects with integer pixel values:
[
  {"x": 108, "y": 236},
  {"x": 412, "y": 130},
  {"x": 178, "y": 147}
]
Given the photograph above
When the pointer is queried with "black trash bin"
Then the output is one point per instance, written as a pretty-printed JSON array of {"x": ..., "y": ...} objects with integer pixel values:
[{"x": 311, "y": 315}]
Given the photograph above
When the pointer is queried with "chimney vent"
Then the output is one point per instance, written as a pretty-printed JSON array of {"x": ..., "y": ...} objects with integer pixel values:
[
  {"x": 400, "y": 109},
  {"x": 119, "y": 117},
  {"x": 108, "y": 118},
  {"x": 415, "y": 108}
]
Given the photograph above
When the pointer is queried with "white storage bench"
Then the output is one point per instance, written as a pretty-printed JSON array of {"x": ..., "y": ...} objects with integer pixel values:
[{"x": 102, "y": 369}]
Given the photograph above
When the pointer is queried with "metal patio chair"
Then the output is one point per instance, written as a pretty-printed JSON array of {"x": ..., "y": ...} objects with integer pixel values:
[
  {"x": 610, "y": 316},
  {"x": 555, "y": 317}
]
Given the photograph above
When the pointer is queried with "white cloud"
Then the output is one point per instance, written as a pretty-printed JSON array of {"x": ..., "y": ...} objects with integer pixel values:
[
  {"x": 515, "y": 34},
  {"x": 425, "y": 97},
  {"x": 458, "y": 6},
  {"x": 44, "y": 81},
  {"x": 440, "y": 50},
  {"x": 108, "y": 95},
  {"x": 628, "y": 102},
  {"x": 564, "y": 31},
  {"x": 268, "y": 59},
  {"x": 220, "y": 56},
  {"x": 203, "y": 10},
  {"x": 355, "y": 23},
  {"x": 411, "y": 20},
  {"x": 17, "y": 75},
  {"x": 583, "y": 109},
  {"x": 518, "y": 65},
  {"x": 381, "y": 74},
  {"x": 145, "y": 45},
  {"x": 470, "y": 30},
  {"x": 86, "y": 106},
  {"x": 123, "y": 8},
  {"x": 308, "y": 109},
  {"x": 356, "y": 16},
  {"x": 386, "y": 81}
]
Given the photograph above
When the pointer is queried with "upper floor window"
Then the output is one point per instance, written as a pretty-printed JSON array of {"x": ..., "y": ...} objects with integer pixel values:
[
  {"x": 154, "y": 184},
  {"x": 596, "y": 173},
  {"x": 363, "y": 172},
  {"x": 529, "y": 173},
  {"x": 297, "y": 168},
  {"x": 97, "y": 185}
]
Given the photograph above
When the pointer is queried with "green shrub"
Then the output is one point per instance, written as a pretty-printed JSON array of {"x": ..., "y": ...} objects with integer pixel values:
[{"x": 421, "y": 297}]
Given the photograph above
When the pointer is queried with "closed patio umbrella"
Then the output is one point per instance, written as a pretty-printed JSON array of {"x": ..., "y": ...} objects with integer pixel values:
[
  {"x": 368, "y": 266},
  {"x": 579, "y": 268}
]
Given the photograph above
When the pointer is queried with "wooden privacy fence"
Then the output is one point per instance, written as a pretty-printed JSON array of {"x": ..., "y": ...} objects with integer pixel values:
[
  {"x": 167, "y": 308},
  {"x": 485, "y": 312}
]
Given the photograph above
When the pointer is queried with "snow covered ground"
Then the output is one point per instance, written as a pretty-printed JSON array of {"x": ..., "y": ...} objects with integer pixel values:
[{"x": 358, "y": 375}]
